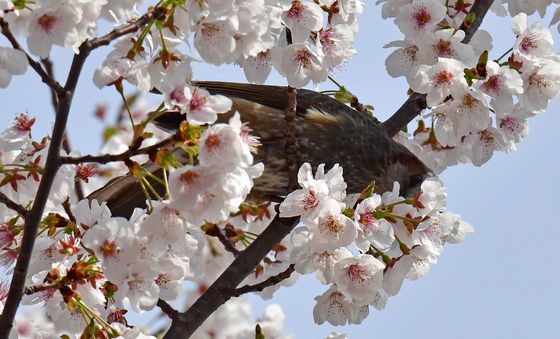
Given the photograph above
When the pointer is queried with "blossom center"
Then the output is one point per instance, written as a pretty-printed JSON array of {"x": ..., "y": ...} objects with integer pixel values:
[
  {"x": 24, "y": 122},
  {"x": 212, "y": 141},
  {"x": 197, "y": 101},
  {"x": 528, "y": 43},
  {"x": 421, "y": 16},
  {"x": 538, "y": 80},
  {"x": 303, "y": 57},
  {"x": 493, "y": 84},
  {"x": 443, "y": 48},
  {"x": 178, "y": 94},
  {"x": 443, "y": 77},
  {"x": 189, "y": 177},
  {"x": 357, "y": 272},
  {"x": 310, "y": 201},
  {"x": 47, "y": 22},
  {"x": 109, "y": 248},
  {"x": 332, "y": 224},
  {"x": 296, "y": 11},
  {"x": 369, "y": 221}
]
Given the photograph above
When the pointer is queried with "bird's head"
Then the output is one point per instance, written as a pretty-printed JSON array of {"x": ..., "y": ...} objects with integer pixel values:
[{"x": 405, "y": 168}]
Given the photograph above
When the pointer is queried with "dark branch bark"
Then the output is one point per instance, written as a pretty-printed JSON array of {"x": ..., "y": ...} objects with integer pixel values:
[
  {"x": 52, "y": 165},
  {"x": 228, "y": 244},
  {"x": 65, "y": 142},
  {"x": 39, "y": 288},
  {"x": 13, "y": 205},
  {"x": 417, "y": 102},
  {"x": 184, "y": 324},
  {"x": 107, "y": 158},
  {"x": 167, "y": 309},
  {"x": 152, "y": 14},
  {"x": 45, "y": 77},
  {"x": 274, "y": 280}
]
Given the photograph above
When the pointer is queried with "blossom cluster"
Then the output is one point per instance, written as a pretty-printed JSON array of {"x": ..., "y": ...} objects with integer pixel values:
[
  {"x": 478, "y": 106},
  {"x": 252, "y": 34},
  {"x": 88, "y": 267},
  {"x": 364, "y": 250}
]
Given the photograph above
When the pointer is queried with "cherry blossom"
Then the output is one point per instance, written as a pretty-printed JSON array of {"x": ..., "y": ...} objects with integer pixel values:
[
  {"x": 300, "y": 65},
  {"x": 359, "y": 277},
  {"x": 302, "y": 18},
  {"x": 420, "y": 16},
  {"x": 89, "y": 267},
  {"x": 334, "y": 307},
  {"x": 12, "y": 62},
  {"x": 439, "y": 80}
]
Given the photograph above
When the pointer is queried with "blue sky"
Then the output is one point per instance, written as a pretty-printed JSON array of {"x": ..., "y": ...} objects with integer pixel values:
[{"x": 500, "y": 283}]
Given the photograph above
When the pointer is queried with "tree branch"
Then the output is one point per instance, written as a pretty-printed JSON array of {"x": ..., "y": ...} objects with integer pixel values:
[
  {"x": 167, "y": 309},
  {"x": 271, "y": 281},
  {"x": 52, "y": 165},
  {"x": 45, "y": 77},
  {"x": 39, "y": 288},
  {"x": 106, "y": 158},
  {"x": 152, "y": 14},
  {"x": 65, "y": 142},
  {"x": 184, "y": 324},
  {"x": 228, "y": 244},
  {"x": 417, "y": 102},
  {"x": 13, "y": 205}
]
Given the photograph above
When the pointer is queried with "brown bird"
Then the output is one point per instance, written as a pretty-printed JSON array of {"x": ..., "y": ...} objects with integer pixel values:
[{"x": 327, "y": 131}]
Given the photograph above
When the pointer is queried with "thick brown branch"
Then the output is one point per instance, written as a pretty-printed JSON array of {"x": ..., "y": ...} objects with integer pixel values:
[
  {"x": 107, "y": 158},
  {"x": 13, "y": 205},
  {"x": 152, "y": 14},
  {"x": 274, "y": 280},
  {"x": 52, "y": 165},
  {"x": 167, "y": 309},
  {"x": 45, "y": 77},
  {"x": 184, "y": 324},
  {"x": 417, "y": 102}
]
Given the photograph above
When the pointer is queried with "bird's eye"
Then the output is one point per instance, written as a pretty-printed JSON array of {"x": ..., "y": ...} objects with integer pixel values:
[{"x": 415, "y": 180}]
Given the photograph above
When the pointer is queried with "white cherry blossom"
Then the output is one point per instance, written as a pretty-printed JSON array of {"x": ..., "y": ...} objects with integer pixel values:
[
  {"x": 359, "y": 277},
  {"x": 420, "y": 16},
  {"x": 534, "y": 41},
  {"x": 12, "y": 62},
  {"x": 299, "y": 65},
  {"x": 501, "y": 84},
  {"x": 334, "y": 307},
  {"x": 438, "y": 81},
  {"x": 302, "y": 18}
]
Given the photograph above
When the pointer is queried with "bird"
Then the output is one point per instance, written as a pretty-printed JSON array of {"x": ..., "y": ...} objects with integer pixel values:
[{"x": 327, "y": 132}]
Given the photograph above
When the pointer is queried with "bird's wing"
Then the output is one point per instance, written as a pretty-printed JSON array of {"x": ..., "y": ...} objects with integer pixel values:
[{"x": 277, "y": 97}]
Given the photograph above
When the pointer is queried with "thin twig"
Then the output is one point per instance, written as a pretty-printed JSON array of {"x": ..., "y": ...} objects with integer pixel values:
[
  {"x": 39, "y": 288},
  {"x": 417, "y": 102},
  {"x": 228, "y": 244},
  {"x": 13, "y": 205},
  {"x": 52, "y": 83},
  {"x": 50, "y": 71},
  {"x": 152, "y": 14},
  {"x": 52, "y": 165},
  {"x": 65, "y": 142},
  {"x": 107, "y": 158},
  {"x": 271, "y": 281}
]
